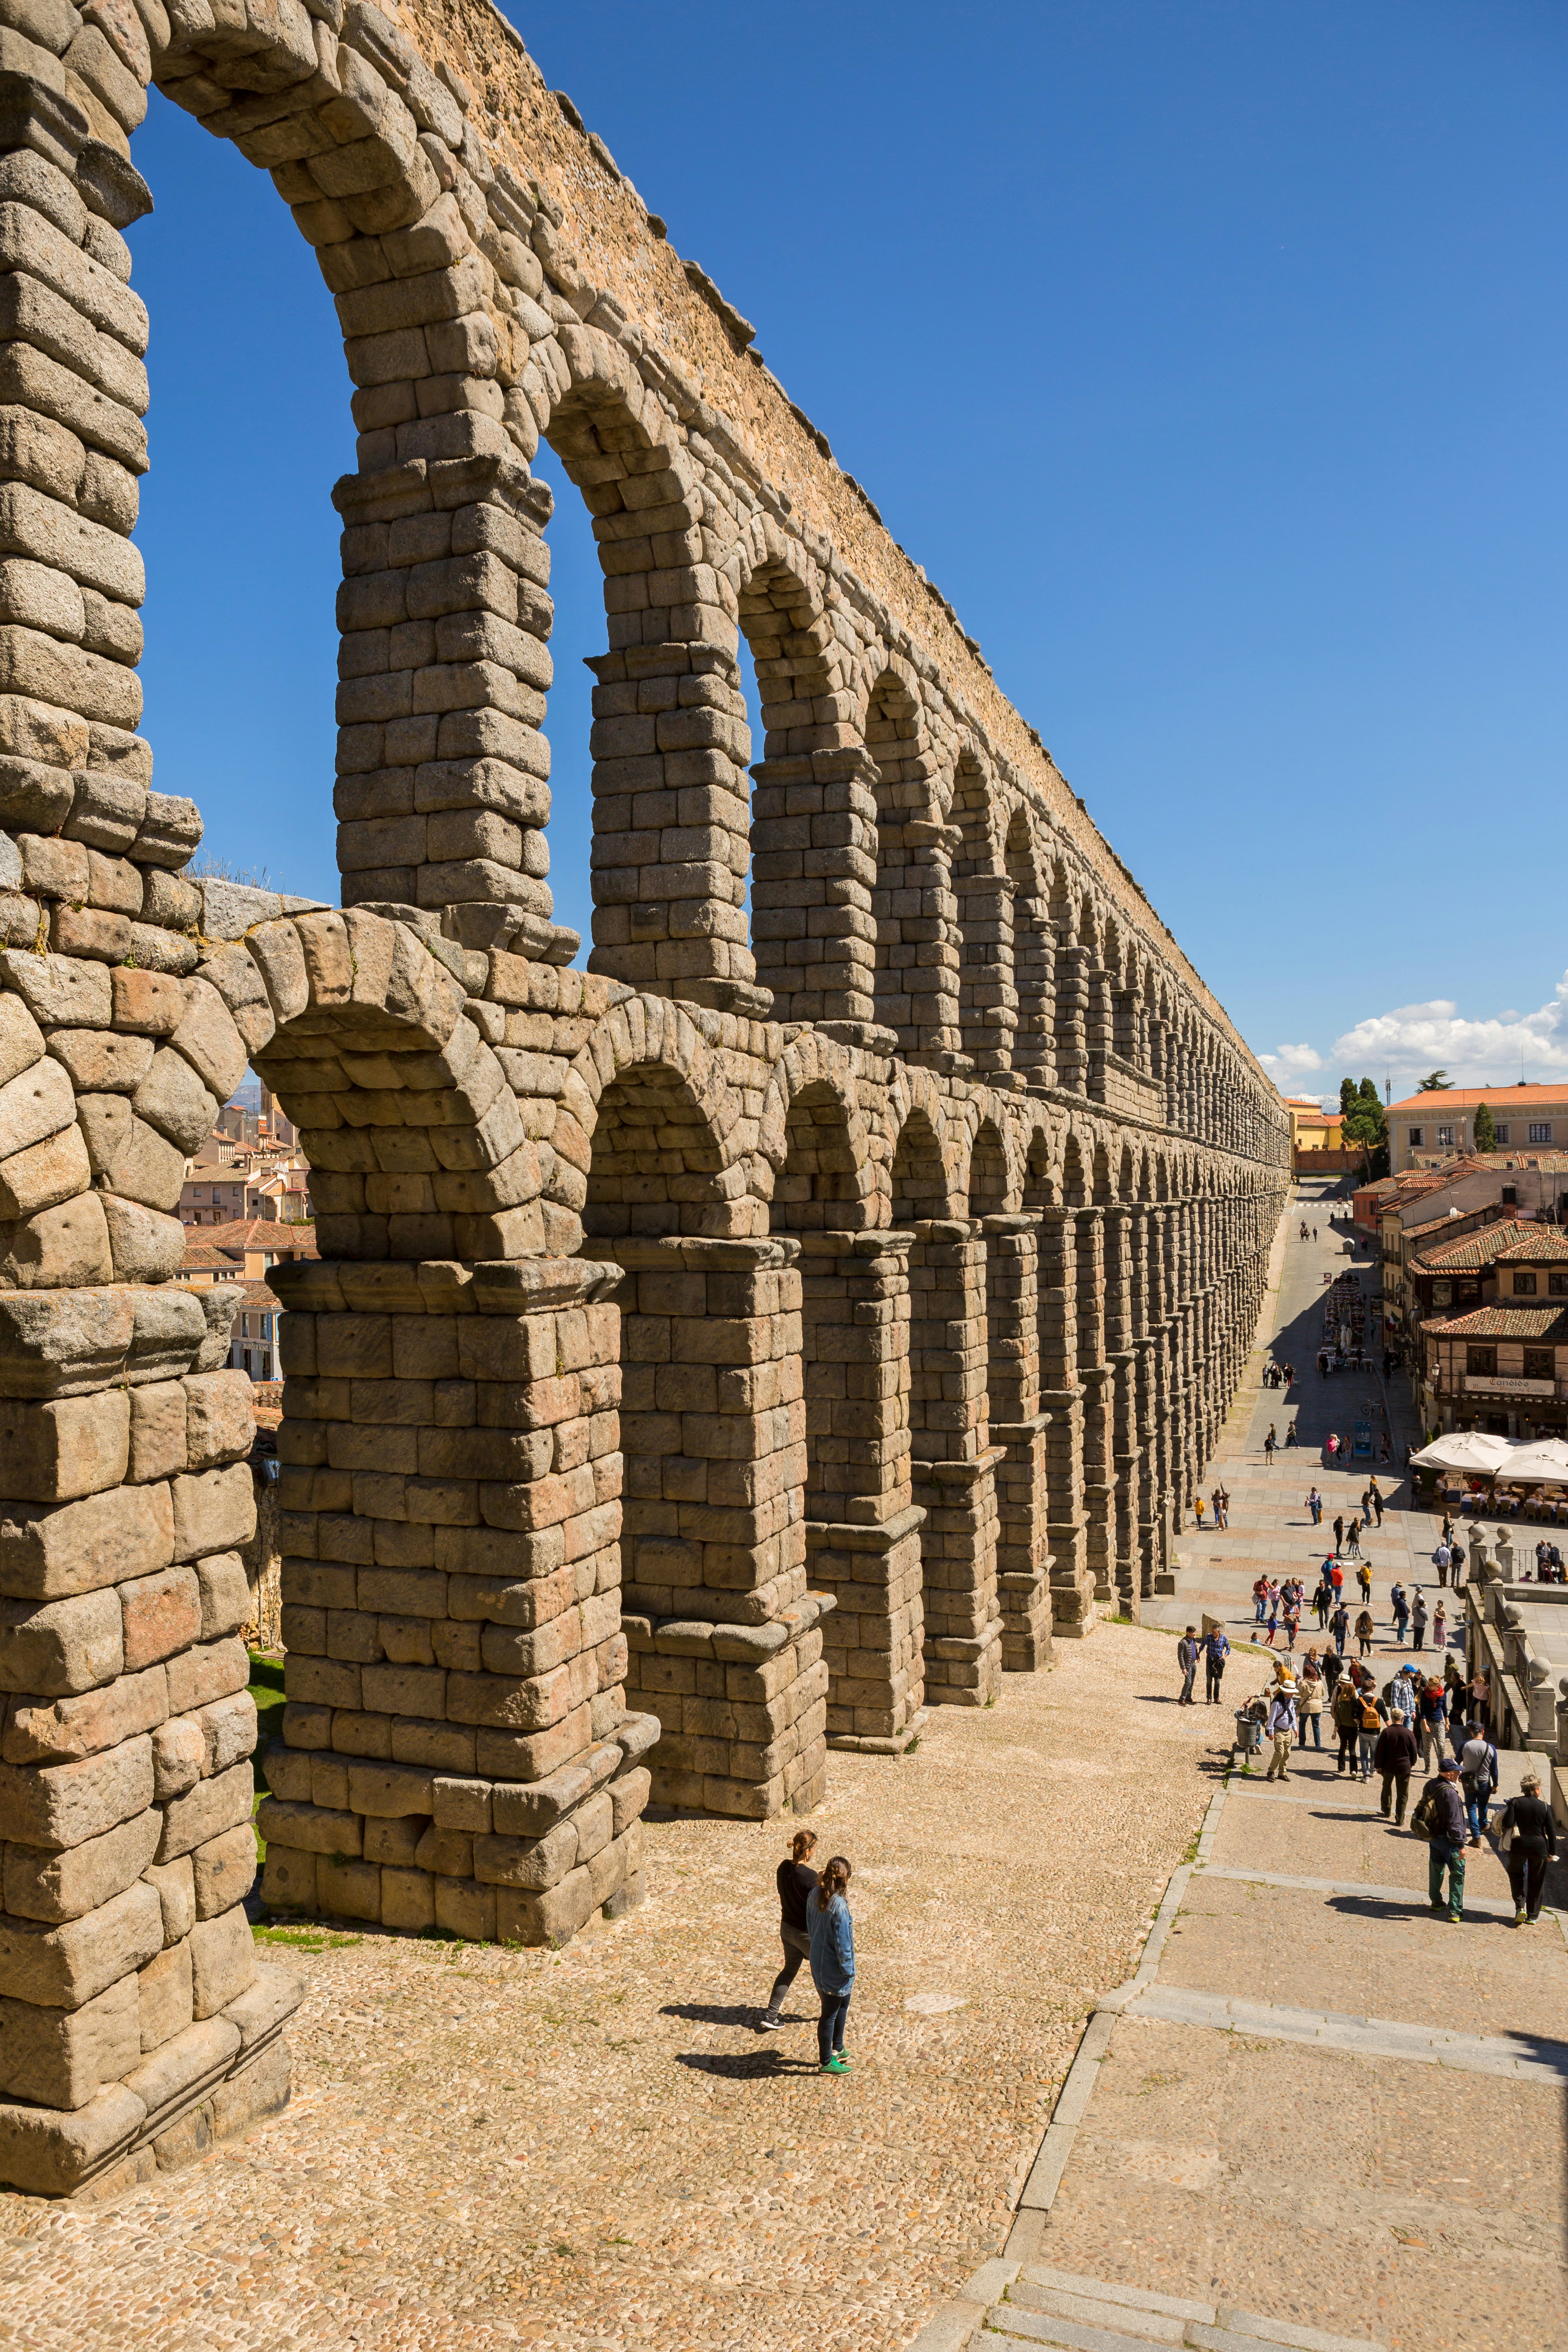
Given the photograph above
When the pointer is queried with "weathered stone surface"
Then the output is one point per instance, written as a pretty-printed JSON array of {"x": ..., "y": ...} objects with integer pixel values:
[
  {"x": 61, "y": 1967},
  {"x": 81, "y": 1546},
  {"x": 61, "y": 1805},
  {"x": 57, "y": 1647},
  {"x": 62, "y": 1885}
]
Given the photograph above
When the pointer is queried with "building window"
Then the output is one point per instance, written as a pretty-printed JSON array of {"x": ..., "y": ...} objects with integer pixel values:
[
  {"x": 1469, "y": 1293},
  {"x": 1541, "y": 1130},
  {"x": 1412, "y": 1137},
  {"x": 1539, "y": 1364},
  {"x": 1523, "y": 1283},
  {"x": 1557, "y": 1284},
  {"x": 1481, "y": 1360},
  {"x": 1445, "y": 1139},
  {"x": 1442, "y": 1294},
  {"x": 1500, "y": 1130}
]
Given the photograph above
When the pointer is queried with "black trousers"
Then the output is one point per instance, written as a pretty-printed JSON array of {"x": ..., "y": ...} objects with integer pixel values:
[
  {"x": 1213, "y": 1678},
  {"x": 1395, "y": 1786},
  {"x": 1527, "y": 1875}
]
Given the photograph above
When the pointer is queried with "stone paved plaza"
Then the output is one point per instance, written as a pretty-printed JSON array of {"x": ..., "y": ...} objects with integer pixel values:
[
  {"x": 1315, "y": 2111},
  {"x": 594, "y": 2148}
]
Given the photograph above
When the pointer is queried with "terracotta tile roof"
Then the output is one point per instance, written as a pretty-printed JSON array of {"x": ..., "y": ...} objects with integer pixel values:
[
  {"x": 1505, "y": 1243},
  {"x": 1540, "y": 1325},
  {"x": 200, "y": 1257},
  {"x": 261, "y": 1233},
  {"x": 1545, "y": 1099},
  {"x": 257, "y": 1299}
]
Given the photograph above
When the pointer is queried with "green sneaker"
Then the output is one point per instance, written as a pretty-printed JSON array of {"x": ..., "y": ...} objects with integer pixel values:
[
  {"x": 842, "y": 2056},
  {"x": 834, "y": 2066}
]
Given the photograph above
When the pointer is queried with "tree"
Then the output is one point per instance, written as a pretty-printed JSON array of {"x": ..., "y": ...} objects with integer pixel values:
[
  {"x": 1436, "y": 1082},
  {"x": 1363, "y": 1126},
  {"x": 1486, "y": 1133}
]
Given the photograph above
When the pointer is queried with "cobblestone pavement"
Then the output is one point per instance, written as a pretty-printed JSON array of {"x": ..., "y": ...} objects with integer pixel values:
[
  {"x": 1316, "y": 2111},
  {"x": 593, "y": 2148}
]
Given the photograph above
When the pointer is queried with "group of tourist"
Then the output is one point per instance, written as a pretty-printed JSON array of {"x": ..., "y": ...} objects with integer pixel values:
[
  {"x": 1386, "y": 1732},
  {"x": 1220, "y": 1504},
  {"x": 814, "y": 1926},
  {"x": 1278, "y": 1376}
]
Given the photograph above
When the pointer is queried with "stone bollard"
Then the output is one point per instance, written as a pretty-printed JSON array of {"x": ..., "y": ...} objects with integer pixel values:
[{"x": 1541, "y": 1731}]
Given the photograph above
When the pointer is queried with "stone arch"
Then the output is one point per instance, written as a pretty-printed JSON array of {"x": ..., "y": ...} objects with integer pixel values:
[
  {"x": 656, "y": 1162},
  {"x": 414, "y": 1135},
  {"x": 814, "y": 802},
  {"x": 916, "y": 919},
  {"x": 982, "y": 891}
]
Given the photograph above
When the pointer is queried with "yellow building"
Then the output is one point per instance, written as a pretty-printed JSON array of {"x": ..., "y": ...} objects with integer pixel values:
[{"x": 1313, "y": 1129}]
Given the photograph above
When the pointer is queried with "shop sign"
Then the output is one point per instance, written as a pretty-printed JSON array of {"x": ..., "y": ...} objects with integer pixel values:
[{"x": 1494, "y": 1384}]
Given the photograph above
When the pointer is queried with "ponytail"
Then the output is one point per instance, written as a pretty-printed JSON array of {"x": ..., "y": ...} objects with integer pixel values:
[
  {"x": 832, "y": 1881},
  {"x": 802, "y": 1842}
]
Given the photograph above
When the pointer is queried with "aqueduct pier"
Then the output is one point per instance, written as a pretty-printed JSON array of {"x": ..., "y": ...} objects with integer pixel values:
[{"x": 715, "y": 1357}]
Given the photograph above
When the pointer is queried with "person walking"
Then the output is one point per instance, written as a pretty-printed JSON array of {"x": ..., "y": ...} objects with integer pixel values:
[
  {"x": 832, "y": 1933},
  {"x": 1443, "y": 1807},
  {"x": 1315, "y": 1504},
  {"x": 1198, "y": 1512},
  {"x": 1400, "y": 1605},
  {"x": 1347, "y": 1724},
  {"x": 1456, "y": 1690},
  {"x": 1292, "y": 1611},
  {"x": 1261, "y": 1600},
  {"x": 1323, "y": 1599},
  {"x": 1440, "y": 1629},
  {"x": 1481, "y": 1698},
  {"x": 1400, "y": 1695},
  {"x": 1442, "y": 1560},
  {"x": 1364, "y": 1578},
  {"x": 1430, "y": 1723},
  {"x": 1333, "y": 1667},
  {"x": 1269, "y": 1442},
  {"x": 795, "y": 1880},
  {"x": 1216, "y": 1650},
  {"x": 1369, "y": 1729},
  {"x": 1223, "y": 1497},
  {"x": 1352, "y": 1539},
  {"x": 1418, "y": 1619},
  {"x": 1527, "y": 1822},
  {"x": 1336, "y": 1577},
  {"x": 1281, "y": 1723},
  {"x": 1309, "y": 1702},
  {"x": 1339, "y": 1526},
  {"x": 1364, "y": 1631},
  {"x": 1339, "y": 1627},
  {"x": 1187, "y": 1659},
  {"x": 1477, "y": 1779},
  {"x": 1395, "y": 1757},
  {"x": 1375, "y": 1495}
]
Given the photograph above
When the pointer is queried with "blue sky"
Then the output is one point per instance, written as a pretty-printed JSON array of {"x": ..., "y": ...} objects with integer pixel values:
[{"x": 1209, "y": 356}]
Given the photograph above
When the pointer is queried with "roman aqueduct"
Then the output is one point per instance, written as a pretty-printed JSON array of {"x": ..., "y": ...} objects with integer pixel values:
[{"x": 793, "y": 1322}]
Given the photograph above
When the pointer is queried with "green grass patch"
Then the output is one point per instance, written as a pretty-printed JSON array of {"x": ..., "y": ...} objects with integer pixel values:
[
  {"x": 267, "y": 1690},
  {"x": 305, "y": 1939}
]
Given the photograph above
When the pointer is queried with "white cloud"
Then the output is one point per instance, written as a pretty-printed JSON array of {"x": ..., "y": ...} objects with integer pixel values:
[
  {"x": 1414, "y": 1038},
  {"x": 1411, "y": 1039},
  {"x": 1289, "y": 1065}
]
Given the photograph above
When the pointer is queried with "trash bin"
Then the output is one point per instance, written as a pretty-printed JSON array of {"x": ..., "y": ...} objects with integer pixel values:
[{"x": 1249, "y": 1740}]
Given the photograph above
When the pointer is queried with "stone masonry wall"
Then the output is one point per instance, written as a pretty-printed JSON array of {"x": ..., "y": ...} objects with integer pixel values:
[{"x": 715, "y": 1357}]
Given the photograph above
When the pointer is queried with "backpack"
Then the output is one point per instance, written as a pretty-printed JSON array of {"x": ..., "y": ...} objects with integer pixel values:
[
  {"x": 1370, "y": 1718},
  {"x": 1424, "y": 1820}
]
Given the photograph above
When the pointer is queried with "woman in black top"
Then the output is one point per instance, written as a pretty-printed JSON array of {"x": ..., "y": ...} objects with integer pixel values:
[
  {"x": 1534, "y": 1838},
  {"x": 795, "y": 1879}
]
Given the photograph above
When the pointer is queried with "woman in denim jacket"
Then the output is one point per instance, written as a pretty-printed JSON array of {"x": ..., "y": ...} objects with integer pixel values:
[{"x": 832, "y": 1933}]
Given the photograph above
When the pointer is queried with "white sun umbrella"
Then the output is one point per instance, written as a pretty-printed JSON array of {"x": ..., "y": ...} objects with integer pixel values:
[
  {"x": 1475, "y": 1451},
  {"x": 1545, "y": 1462}
]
